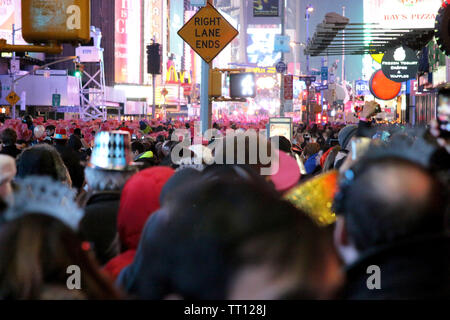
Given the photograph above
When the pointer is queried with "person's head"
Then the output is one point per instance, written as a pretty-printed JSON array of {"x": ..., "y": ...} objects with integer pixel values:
[
  {"x": 249, "y": 148},
  {"x": 75, "y": 143},
  {"x": 106, "y": 180},
  {"x": 227, "y": 240},
  {"x": 160, "y": 138},
  {"x": 38, "y": 253},
  {"x": 345, "y": 135},
  {"x": 28, "y": 120},
  {"x": 60, "y": 138},
  {"x": 50, "y": 130},
  {"x": 137, "y": 148},
  {"x": 181, "y": 179},
  {"x": 283, "y": 143},
  {"x": 142, "y": 125},
  {"x": 42, "y": 160},
  {"x": 385, "y": 201},
  {"x": 77, "y": 132},
  {"x": 9, "y": 137},
  {"x": 7, "y": 173},
  {"x": 311, "y": 148},
  {"x": 139, "y": 199}
]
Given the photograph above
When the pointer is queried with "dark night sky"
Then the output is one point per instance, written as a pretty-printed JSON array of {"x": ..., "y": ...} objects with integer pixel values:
[{"x": 354, "y": 10}]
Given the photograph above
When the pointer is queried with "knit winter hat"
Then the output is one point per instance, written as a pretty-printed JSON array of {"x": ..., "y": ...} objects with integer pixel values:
[{"x": 346, "y": 134}]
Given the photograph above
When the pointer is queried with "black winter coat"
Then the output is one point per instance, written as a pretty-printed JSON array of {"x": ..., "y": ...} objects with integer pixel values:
[
  {"x": 99, "y": 224},
  {"x": 413, "y": 269}
]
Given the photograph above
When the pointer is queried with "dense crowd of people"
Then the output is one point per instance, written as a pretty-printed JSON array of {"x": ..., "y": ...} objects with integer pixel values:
[{"x": 349, "y": 212}]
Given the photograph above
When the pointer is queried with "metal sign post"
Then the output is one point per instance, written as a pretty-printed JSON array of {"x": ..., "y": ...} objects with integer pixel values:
[
  {"x": 207, "y": 33},
  {"x": 283, "y": 33}
]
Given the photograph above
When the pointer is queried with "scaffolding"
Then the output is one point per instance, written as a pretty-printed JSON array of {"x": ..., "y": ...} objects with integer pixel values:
[
  {"x": 92, "y": 82},
  {"x": 92, "y": 88}
]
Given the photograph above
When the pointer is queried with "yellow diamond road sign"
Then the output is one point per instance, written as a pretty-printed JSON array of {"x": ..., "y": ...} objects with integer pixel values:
[
  {"x": 12, "y": 98},
  {"x": 208, "y": 33}
]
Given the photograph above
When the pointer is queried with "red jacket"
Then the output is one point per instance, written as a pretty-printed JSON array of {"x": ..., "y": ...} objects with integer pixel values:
[{"x": 140, "y": 198}]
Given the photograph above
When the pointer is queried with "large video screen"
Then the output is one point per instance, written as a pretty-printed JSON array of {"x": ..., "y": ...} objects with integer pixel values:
[
  {"x": 261, "y": 45},
  {"x": 266, "y": 8},
  {"x": 128, "y": 42}
]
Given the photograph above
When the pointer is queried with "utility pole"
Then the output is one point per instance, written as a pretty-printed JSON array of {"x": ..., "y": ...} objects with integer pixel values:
[
  {"x": 13, "y": 69},
  {"x": 283, "y": 33},
  {"x": 205, "y": 101},
  {"x": 343, "y": 50},
  {"x": 309, "y": 10}
]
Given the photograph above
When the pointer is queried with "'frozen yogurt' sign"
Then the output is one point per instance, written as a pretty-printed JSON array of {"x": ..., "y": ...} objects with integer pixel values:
[{"x": 400, "y": 64}]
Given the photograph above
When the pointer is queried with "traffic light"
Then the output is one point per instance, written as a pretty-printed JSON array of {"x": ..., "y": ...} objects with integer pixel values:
[
  {"x": 79, "y": 68},
  {"x": 215, "y": 83},
  {"x": 242, "y": 85},
  {"x": 64, "y": 21},
  {"x": 154, "y": 58}
]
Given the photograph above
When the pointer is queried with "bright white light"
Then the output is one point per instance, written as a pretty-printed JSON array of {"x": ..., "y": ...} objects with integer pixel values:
[
  {"x": 333, "y": 113},
  {"x": 248, "y": 86},
  {"x": 310, "y": 9},
  {"x": 265, "y": 83},
  {"x": 235, "y": 113}
]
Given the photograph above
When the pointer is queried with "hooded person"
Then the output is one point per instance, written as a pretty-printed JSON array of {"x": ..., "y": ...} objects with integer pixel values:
[
  {"x": 140, "y": 199},
  {"x": 71, "y": 158}
]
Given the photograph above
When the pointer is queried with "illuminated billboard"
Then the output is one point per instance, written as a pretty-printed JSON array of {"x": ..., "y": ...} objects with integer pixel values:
[
  {"x": 176, "y": 23},
  {"x": 10, "y": 14},
  {"x": 128, "y": 42},
  {"x": 266, "y": 8},
  {"x": 261, "y": 44},
  {"x": 408, "y": 14},
  {"x": 153, "y": 30}
]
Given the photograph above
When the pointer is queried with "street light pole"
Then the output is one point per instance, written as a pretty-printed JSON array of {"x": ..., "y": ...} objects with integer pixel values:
[
  {"x": 307, "y": 41},
  {"x": 13, "y": 70},
  {"x": 343, "y": 51},
  {"x": 309, "y": 10},
  {"x": 283, "y": 32}
]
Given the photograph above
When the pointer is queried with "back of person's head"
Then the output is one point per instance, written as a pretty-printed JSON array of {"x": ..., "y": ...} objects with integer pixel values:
[
  {"x": 137, "y": 147},
  {"x": 388, "y": 200},
  {"x": 346, "y": 134},
  {"x": 139, "y": 199},
  {"x": 36, "y": 252},
  {"x": 249, "y": 148},
  {"x": 160, "y": 138},
  {"x": 180, "y": 179},
  {"x": 283, "y": 143},
  {"x": 311, "y": 148},
  {"x": 106, "y": 180},
  {"x": 239, "y": 174},
  {"x": 77, "y": 132},
  {"x": 42, "y": 160},
  {"x": 8, "y": 137},
  {"x": 227, "y": 240},
  {"x": 75, "y": 143}
]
